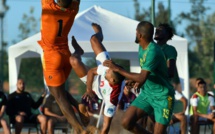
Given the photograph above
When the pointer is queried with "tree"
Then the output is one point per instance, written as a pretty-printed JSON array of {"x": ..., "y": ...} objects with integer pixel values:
[
  {"x": 161, "y": 16},
  {"x": 201, "y": 35},
  {"x": 29, "y": 25},
  {"x": 30, "y": 68}
]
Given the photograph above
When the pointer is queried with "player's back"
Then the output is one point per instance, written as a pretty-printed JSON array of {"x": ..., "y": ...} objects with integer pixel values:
[{"x": 56, "y": 23}]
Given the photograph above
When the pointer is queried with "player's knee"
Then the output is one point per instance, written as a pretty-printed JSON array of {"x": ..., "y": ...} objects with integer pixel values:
[
  {"x": 126, "y": 124},
  {"x": 3, "y": 122},
  {"x": 19, "y": 118},
  {"x": 73, "y": 60},
  {"x": 93, "y": 39},
  {"x": 50, "y": 123},
  {"x": 42, "y": 118}
]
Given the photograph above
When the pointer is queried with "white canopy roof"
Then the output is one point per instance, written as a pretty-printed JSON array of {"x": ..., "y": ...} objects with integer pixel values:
[{"x": 119, "y": 35}]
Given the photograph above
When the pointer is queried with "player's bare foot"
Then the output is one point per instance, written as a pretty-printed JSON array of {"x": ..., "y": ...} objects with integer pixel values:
[
  {"x": 98, "y": 31},
  {"x": 82, "y": 111},
  {"x": 76, "y": 46}
]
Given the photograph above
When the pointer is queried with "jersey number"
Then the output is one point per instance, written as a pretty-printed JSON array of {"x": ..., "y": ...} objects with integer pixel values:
[{"x": 60, "y": 23}]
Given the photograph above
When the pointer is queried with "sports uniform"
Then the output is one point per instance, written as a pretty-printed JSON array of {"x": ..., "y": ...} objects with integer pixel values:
[
  {"x": 157, "y": 95},
  {"x": 56, "y": 23},
  {"x": 201, "y": 102},
  {"x": 110, "y": 94}
]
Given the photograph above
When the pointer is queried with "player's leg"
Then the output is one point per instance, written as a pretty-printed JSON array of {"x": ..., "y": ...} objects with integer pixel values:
[
  {"x": 194, "y": 124},
  {"x": 50, "y": 124},
  {"x": 163, "y": 113},
  {"x": 183, "y": 122},
  {"x": 53, "y": 65},
  {"x": 96, "y": 39},
  {"x": 5, "y": 126},
  {"x": 19, "y": 119},
  {"x": 42, "y": 119},
  {"x": 139, "y": 108},
  {"x": 75, "y": 60},
  {"x": 59, "y": 93},
  {"x": 81, "y": 108},
  {"x": 130, "y": 118}
]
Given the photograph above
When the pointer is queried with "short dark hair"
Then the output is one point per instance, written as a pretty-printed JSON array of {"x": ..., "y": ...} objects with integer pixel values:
[
  {"x": 146, "y": 29},
  {"x": 168, "y": 29},
  {"x": 199, "y": 78},
  {"x": 117, "y": 76},
  {"x": 201, "y": 82}
]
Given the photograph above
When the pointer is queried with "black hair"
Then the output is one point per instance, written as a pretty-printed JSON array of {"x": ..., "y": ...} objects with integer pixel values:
[
  {"x": 201, "y": 82},
  {"x": 146, "y": 29},
  {"x": 168, "y": 29},
  {"x": 117, "y": 76},
  {"x": 199, "y": 78}
]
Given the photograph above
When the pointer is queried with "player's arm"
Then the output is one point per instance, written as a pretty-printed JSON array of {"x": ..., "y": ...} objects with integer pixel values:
[
  {"x": 3, "y": 108},
  {"x": 138, "y": 77},
  {"x": 49, "y": 113},
  {"x": 171, "y": 64},
  {"x": 90, "y": 77},
  {"x": 184, "y": 102},
  {"x": 207, "y": 116}
]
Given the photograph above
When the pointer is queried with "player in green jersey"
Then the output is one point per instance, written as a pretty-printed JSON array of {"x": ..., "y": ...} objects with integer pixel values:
[{"x": 157, "y": 93}]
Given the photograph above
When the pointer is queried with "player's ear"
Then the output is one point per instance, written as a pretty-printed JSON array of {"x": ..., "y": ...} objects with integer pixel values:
[{"x": 112, "y": 80}]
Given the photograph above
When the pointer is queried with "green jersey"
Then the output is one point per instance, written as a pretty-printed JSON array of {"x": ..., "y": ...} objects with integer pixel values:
[
  {"x": 153, "y": 60},
  {"x": 169, "y": 52}
]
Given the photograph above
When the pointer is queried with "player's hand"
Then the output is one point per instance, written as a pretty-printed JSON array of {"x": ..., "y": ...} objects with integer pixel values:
[
  {"x": 89, "y": 95},
  {"x": 44, "y": 93},
  {"x": 210, "y": 116},
  {"x": 111, "y": 65}
]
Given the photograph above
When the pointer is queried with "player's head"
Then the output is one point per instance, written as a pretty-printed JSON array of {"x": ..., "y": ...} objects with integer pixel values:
[
  {"x": 113, "y": 77},
  {"x": 144, "y": 31},
  {"x": 163, "y": 32},
  {"x": 198, "y": 80},
  {"x": 64, "y": 3},
  {"x": 20, "y": 85},
  {"x": 202, "y": 87}
]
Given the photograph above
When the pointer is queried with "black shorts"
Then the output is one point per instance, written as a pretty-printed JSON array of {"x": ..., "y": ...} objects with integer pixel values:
[
  {"x": 27, "y": 119},
  {"x": 174, "y": 119}
]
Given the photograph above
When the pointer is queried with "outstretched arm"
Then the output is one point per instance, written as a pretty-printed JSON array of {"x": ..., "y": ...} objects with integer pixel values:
[
  {"x": 137, "y": 77},
  {"x": 90, "y": 77},
  {"x": 171, "y": 64}
]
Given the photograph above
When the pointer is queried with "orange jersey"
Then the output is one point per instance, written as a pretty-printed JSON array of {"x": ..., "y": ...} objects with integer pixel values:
[{"x": 56, "y": 23}]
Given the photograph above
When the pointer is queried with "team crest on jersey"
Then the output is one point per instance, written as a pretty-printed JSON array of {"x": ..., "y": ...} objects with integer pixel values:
[
  {"x": 110, "y": 110},
  {"x": 104, "y": 91},
  {"x": 142, "y": 60},
  {"x": 102, "y": 83}
]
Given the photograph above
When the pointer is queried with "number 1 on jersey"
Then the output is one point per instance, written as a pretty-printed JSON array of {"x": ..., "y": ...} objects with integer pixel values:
[{"x": 60, "y": 22}]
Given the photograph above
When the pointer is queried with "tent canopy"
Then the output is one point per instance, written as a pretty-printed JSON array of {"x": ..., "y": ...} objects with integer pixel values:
[{"x": 119, "y": 35}]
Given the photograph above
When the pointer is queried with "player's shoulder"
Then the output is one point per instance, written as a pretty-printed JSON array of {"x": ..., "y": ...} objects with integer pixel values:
[{"x": 194, "y": 96}]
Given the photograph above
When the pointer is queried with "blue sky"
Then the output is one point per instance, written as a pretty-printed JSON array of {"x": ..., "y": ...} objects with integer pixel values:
[{"x": 14, "y": 15}]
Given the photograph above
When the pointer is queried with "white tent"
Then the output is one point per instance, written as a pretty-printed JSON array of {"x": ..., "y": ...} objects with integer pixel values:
[{"x": 119, "y": 35}]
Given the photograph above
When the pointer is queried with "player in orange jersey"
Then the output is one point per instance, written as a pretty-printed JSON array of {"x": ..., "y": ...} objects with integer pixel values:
[{"x": 56, "y": 21}]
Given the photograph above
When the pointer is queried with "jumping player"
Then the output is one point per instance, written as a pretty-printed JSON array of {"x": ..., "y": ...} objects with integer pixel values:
[
  {"x": 102, "y": 81},
  {"x": 56, "y": 22},
  {"x": 157, "y": 93}
]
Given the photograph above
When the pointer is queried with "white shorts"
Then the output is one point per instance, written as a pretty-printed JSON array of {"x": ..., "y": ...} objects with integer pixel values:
[{"x": 101, "y": 57}]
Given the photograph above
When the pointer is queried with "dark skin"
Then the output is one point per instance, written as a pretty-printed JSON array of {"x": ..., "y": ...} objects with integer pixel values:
[
  {"x": 59, "y": 92},
  {"x": 81, "y": 71},
  {"x": 161, "y": 36},
  {"x": 133, "y": 114}
]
